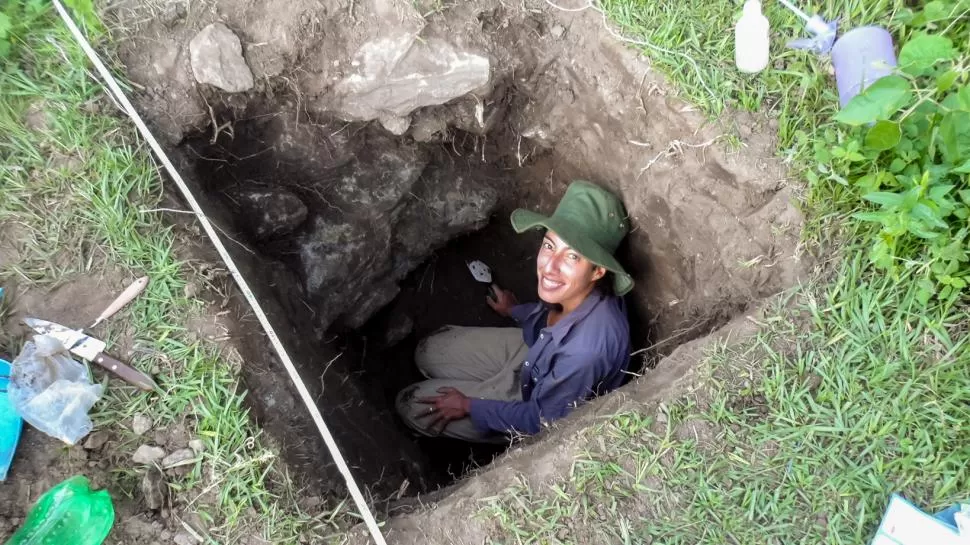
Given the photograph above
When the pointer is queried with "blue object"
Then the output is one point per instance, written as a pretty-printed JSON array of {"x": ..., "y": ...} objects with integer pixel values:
[
  {"x": 905, "y": 524},
  {"x": 947, "y": 515},
  {"x": 583, "y": 355},
  {"x": 10, "y": 423}
]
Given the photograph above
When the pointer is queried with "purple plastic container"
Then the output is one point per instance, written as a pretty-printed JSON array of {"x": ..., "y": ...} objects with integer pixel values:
[{"x": 860, "y": 57}]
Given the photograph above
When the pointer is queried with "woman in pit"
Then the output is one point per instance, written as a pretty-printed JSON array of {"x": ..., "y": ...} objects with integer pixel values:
[{"x": 485, "y": 384}]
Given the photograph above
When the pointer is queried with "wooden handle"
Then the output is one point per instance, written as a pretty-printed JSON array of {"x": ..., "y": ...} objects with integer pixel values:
[
  {"x": 126, "y": 297},
  {"x": 125, "y": 372}
]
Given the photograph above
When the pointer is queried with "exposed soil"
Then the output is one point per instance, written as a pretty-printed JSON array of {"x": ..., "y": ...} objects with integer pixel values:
[{"x": 713, "y": 231}]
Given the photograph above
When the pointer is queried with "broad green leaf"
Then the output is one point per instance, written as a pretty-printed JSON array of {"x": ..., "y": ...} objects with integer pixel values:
[
  {"x": 936, "y": 11},
  {"x": 937, "y": 192},
  {"x": 883, "y": 135},
  {"x": 879, "y": 101},
  {"x": 923, "y": 294},
  {"x": 885, "y": 198},
  {"x": 946, "y": 81},
  {"x": 955, "y": 137},
  {"x": 923, "y": 51},
  {"x": 921, "y": 231},
  {"x": 964, "y": 168},
  {"x": 868, "y": 183},
  {"x": 945, "y": 292},
  {"x": 925, "y": 213},
  {"x": 958, "y": 100},
  {"x": 955, "y": 251}
]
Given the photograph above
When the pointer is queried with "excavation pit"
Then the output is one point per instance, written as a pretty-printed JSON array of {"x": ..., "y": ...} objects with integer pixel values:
[{"x": 355, "y": 200}]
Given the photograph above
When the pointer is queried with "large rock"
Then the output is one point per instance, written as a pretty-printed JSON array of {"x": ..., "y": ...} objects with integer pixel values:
[
  {"x": 399, "y": 74},
  {"x": 270, "y": 212},
  {"x": 387, "y": 212},
  {"x": 217, "y": 59}
]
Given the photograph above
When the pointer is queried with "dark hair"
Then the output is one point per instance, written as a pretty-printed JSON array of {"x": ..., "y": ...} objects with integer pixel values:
[{"x": 605, "y": 284}]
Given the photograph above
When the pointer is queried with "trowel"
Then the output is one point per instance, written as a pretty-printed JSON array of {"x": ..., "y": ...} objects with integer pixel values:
[{"x": 482, "y": 273}]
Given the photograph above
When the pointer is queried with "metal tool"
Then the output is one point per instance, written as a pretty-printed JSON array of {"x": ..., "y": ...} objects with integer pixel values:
[
  {"x": 119, "y": 303},
  {"x": 482, "y": 273},
  {"x": 91, "y": 349}
]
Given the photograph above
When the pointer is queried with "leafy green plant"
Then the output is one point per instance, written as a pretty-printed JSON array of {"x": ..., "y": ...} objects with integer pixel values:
[{"x": 907, "y": 152}]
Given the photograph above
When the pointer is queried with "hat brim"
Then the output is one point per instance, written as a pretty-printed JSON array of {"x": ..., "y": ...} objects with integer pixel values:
[{"x": 523, "y": 220}]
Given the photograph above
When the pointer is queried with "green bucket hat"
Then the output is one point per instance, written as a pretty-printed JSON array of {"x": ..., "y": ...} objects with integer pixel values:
[{"x": 592, "y": 221}]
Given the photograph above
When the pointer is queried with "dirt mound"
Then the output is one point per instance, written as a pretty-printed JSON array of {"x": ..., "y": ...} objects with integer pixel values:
[{"x": 375, "y": 132}]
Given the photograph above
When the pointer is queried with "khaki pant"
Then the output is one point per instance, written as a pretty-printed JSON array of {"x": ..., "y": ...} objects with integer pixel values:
[{"x": 482, "y": 362}]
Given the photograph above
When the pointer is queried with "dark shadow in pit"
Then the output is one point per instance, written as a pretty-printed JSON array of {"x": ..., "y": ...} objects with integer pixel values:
[{"x": 442, "y": 292}]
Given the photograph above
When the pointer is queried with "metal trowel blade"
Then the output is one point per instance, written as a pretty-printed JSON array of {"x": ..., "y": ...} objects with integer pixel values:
[{"x": 480, "y": 271}]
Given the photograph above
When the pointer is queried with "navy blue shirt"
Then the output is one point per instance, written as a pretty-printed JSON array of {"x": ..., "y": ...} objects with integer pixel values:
[{"x": 582, "y": 356}]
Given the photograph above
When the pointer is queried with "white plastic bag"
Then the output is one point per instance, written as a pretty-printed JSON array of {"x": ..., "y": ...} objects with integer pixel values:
[{"x": 51, "y": 391}]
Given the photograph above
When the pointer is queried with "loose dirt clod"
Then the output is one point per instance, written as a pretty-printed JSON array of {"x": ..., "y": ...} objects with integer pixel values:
[
  {"x": 96, "y": 440},
  {"x": 147, "y": 454},
  {"x": 154, "y": 488}
]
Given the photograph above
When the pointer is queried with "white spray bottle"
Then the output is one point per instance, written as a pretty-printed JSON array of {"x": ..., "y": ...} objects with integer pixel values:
[{"x": 751, "y": 39}]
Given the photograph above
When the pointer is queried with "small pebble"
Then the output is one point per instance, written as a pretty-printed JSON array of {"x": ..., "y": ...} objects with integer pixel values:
[
  {"x": 196, "y": 445},
  {"x": 141, "y": 424},
  {"x": 557, "y": 31}
]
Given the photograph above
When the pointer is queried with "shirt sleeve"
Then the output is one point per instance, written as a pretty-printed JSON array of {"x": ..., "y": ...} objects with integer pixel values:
[
  {"x": 521, "y": 312},
  {"x": 570, "y": 382}
]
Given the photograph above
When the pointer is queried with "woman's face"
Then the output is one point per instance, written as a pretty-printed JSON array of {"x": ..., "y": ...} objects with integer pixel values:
[{"x": 565, "y": 276}]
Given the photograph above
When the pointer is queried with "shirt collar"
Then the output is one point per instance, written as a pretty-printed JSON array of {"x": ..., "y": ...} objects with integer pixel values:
[{"x": 565, "y": 325}]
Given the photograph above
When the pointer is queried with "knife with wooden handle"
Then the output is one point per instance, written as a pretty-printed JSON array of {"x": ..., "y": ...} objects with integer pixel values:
[{"x": 91, "y": 349}]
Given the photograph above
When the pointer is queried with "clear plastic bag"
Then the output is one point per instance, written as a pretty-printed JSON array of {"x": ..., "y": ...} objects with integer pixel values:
[{"x": 51, "y": 391}]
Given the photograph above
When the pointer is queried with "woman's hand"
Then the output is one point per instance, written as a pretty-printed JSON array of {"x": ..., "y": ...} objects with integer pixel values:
[
  {"x": 503, "y": 302},
  {"x": 451, "y": 405}
]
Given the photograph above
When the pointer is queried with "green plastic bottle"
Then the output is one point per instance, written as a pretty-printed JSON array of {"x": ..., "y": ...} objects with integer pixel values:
[{"x": 70, "y": 513}]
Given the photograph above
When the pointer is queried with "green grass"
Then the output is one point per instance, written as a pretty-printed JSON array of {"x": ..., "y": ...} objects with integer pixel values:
[
  {"x": 850, "y": 392},
  {"x": 77, "y": 190}
]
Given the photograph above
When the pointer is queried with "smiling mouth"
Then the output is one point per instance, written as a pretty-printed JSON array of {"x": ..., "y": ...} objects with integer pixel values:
[{"x": 549, "y": 284}]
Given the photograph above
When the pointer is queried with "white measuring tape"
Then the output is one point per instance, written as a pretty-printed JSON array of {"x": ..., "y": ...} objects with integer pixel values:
[{"x": 311, "y": 406}]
